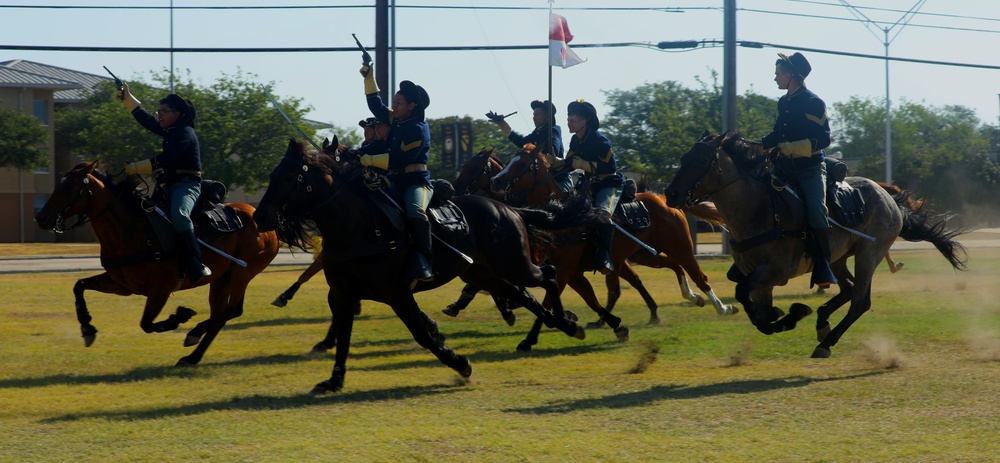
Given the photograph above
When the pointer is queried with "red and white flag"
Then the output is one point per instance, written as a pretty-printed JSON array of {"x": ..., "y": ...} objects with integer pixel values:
[{"x": 559, "y": 36}]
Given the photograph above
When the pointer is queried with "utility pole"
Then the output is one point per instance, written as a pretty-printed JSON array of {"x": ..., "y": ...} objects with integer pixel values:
[
  {"x": 382, "y": 49},
  {"x": 729, "y": 112}
]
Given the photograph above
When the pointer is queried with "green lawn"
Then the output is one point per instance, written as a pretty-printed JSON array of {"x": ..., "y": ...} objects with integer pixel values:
[{"x": 914, "y": 380}]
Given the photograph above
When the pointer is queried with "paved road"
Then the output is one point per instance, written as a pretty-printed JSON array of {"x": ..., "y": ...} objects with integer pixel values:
[{"x": 288, "y": 258}]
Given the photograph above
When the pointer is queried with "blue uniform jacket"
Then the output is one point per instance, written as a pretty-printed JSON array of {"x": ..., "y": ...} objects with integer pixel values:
[
  {"x": 408, "y": 142},
  {"x": 596, "y": 148},
  {"x": 538, "y": 137},
  {"x": 181, "y": 150},
  {"x": 801, "y": 115}
]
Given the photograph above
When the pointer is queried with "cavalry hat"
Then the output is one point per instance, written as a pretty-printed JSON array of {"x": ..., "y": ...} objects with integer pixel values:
[
  {"x": 415, "y": 94},
  {"x": 183, "y": 106},
  {"x": 542, "y": 104},
  {"x": 797, "y": 63},
  {"x": 585, "y": 110},
  {"x": 368, "y": 122}
]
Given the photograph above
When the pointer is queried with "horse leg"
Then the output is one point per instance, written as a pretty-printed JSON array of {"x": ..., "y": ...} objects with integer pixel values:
[
  {"x": 663, "y": 261},
  {"x": 468, "y": 293},
  {"x": 629, "y": 275},
  {"x": 845, "y": 281},
  {"x": 859, "y": 305},
  {"x": 415, "y": 320},
  {"x": 532, "y": 338},
  {"x": 342, "y": 310},
  {"x": 225, "y": 297},
  {"x": 328, "y": 342},
  {"x": 100, "y": 283},
  {"x": 582, "y": 286}
]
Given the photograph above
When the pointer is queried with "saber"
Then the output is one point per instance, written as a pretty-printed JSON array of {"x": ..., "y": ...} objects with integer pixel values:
[
  {"x": 853, "y": 231},
  {"x": 637, "y": 240},
  {"x": 447, "y": 244},
  {"x": 240, "y": 262},
  {"x": 275, "y": 103}
]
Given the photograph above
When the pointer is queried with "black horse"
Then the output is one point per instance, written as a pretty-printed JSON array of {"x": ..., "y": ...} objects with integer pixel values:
[{"x": 365, "y": 254}]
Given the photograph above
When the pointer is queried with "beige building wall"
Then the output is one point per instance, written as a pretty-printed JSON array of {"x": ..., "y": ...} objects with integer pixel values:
[{"x": 22, "y": 191}]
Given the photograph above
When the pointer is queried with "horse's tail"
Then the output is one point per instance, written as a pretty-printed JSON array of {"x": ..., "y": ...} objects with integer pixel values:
[
  {"x": 705, "y": 211},
  {"x": 921, "y": 225}
]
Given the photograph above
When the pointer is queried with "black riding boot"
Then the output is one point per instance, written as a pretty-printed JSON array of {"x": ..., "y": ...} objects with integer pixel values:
[
  {"x": 192, "y": 260},
  {"x": 606, "y": 231},
  {"x": 420, "y": 258},
  {"x": 822, "y": 275}
]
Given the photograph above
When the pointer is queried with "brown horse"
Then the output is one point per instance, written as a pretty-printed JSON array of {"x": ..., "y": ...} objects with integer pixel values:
[
  {"x": 668, "y": 233},
  {"x": 474, "y": 178},
  {"x": 769, "y": 249},
  {"x": 133, "y": 264},
  {"x": 913, "y": 203}
]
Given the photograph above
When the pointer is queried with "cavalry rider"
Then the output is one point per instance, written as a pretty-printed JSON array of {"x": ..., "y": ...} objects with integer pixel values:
[
  {"x": 181, "y": 164},
  {"x": 800, "y": 132},
  {"x": 375, "y": 133},
  {"x": 544, "y": 117},
  {"x": 590, "y": 151},
  {"x": 408, "y": 143}
]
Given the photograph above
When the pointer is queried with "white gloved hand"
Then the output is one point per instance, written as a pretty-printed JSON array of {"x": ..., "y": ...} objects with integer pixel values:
[
  {"x": 139, "y": 167},
  {"x": 131, "y": 102}
]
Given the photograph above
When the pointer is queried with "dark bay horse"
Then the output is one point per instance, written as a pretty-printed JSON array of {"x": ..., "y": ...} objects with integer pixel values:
[
  {"x": 365, "y": 254},
  {"x": 768, "y": 251},
  {"x": 127, "y": 249},
  {"x": 474, "y": 178},
  {"x": 668, "y": 233}
]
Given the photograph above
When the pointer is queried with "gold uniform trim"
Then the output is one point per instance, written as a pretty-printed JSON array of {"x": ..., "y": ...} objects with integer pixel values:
[{"x": 410, "y": 146}]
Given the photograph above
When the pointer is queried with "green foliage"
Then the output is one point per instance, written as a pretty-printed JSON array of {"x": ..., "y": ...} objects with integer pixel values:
[
  {"x": 242, "y": 136},
  {"x": 653, "y": 125},
  {"x": 22, "y": 145}
]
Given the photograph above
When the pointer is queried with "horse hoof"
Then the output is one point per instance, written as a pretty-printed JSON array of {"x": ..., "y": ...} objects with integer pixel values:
[
  {"x": 821, "y": 353},
  {"x": 89, "y": 334},
  {"x": 728, "y": 309},
  {"x": 800, "y": 311},
  {"x": 510, "y": 318},
  {"x": 184, "y": 362},
  {"x": 821, "y": 333},
  {"x": 699, "y": 300},
  {"x": 184, "y": 314},
  {"x": 571, "y": 316},
  {"x": 622, "y": 333},
  {"x": 580, "y": 333},
  {"x": 596, "y": 324},
  {"x": 327, "y": 387},
  {"x": 450, "y": 311},
  {"x": 191, "y": 340},
  {"x": 465, "y": 371},
  {"x": 654, "y": 321},
  {"x": 523, "y": 346},
  {"x": 281, "y": 301},
  {"x": 89, "y": 339}
]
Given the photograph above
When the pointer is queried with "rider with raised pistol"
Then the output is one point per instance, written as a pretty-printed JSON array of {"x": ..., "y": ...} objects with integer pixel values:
[
  {"x": 544, "y": 117},
  {"x": 408, "y": 144},
  {"x": 801, "y": 132},
  {"x": 590, "y": 151},
  {"x": 181, "y": 164}
]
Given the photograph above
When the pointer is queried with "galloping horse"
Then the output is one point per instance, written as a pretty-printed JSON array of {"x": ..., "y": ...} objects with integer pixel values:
[
  {"x": 768, "y": 247},
  {"x": 365, "y": 254},
  {"x": 133, "y": 266},
  {"x": 528, "y": 173},
  {"x": 475, "y": 178}
]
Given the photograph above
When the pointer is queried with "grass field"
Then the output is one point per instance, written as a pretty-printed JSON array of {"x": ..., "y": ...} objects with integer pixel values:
[{"x": 915, "y": 380}]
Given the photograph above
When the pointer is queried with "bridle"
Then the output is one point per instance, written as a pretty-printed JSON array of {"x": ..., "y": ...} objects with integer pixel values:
[
  {"x": 689, "y": 199},
  {"x": 534, "y": 169},
  {"x": 486, "y": 170},
  {"x": 60, "y": 225},
  {"x": 303, "y": 180}
]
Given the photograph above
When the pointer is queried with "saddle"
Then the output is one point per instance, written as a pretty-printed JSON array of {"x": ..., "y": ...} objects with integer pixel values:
[
  {"x": 630, "y": 211},
  {"x": 211, "y": 218},
  {"x": 447, "y": 222}
]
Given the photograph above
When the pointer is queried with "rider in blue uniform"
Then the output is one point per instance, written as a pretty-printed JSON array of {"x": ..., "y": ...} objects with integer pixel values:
[
  {"x": 544, "y": 117},
  {"x": 408, "y": 144},
  {"x": 590, "y": 151},
  {"x": 181, "y": 164},
  {"x": 801, "y": 132}
]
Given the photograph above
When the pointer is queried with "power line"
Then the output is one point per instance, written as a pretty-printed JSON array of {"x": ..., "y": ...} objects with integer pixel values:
[
  {"x": 412, "y": 7},
  {"x": 661, "y": 47},
  {"x": 837, "y": 18},
  {"x": 892, "y": 10}
]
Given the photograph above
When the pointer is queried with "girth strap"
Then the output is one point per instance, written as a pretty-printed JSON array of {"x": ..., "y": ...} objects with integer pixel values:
[
  {"x": 357, "y": 252},
  {"x": 147, "y": 255},
  {"x": 763, "y": 238}
]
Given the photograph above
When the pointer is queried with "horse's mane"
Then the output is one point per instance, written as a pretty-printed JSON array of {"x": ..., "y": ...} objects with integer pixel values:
[
  {"x": 749, "y": 157},
  {"x": 530, "y": 148},
  {"x": 126, "y": 190}
]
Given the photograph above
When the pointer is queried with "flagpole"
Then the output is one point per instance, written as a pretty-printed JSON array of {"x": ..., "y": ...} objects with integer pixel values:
[{"x": 551, "y": 105}]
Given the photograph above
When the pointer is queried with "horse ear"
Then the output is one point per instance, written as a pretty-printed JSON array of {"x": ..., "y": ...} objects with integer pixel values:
[
  {"x": 326, "y": 142},
  {"x": 705, "y": 135},
  {"x": 293, "y": 147},
  {"x": 334, "y": 143},
  {"x": 92, "y": 166}
]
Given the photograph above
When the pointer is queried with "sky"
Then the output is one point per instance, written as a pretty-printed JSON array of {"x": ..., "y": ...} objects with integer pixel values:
[{"x": 474, "y": 82}]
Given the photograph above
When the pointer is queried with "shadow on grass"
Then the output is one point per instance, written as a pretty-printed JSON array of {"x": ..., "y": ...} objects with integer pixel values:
[
  {"x": 148, "y": 373},
  {"x": 486, "y": 356},
  {"x": 265, "y": 403},
  {"x": 679, "y": 392}
]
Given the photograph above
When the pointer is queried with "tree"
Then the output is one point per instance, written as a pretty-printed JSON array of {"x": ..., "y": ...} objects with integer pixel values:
[
  {"x": 653, "y": 125},
  {"x": 22, "y": 145},
  {"x": 242, "y": 136}
]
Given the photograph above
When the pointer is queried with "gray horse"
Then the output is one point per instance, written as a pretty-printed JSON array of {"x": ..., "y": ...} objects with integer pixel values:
[{"x": 767, "y": 234}]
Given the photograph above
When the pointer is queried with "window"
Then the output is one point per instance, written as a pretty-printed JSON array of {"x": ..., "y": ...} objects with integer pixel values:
[{"x": 41, "y": 109}]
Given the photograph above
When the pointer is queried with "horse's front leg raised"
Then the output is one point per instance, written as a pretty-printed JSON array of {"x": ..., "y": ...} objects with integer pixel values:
[
  {"x": 154, "y": 305},
  {"x": 100, "y": 283}
]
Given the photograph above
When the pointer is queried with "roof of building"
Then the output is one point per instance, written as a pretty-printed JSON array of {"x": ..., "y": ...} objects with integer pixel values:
[{"x": 83, "y": 81}]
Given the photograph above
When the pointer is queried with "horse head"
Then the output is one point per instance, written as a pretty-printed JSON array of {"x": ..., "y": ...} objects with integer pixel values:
[
  {"x": 477, "y": 172},
  {"x": 73, "y": 195},
  {"x": 692, "y": 180},
  {"x": 525, "y": 170}
]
